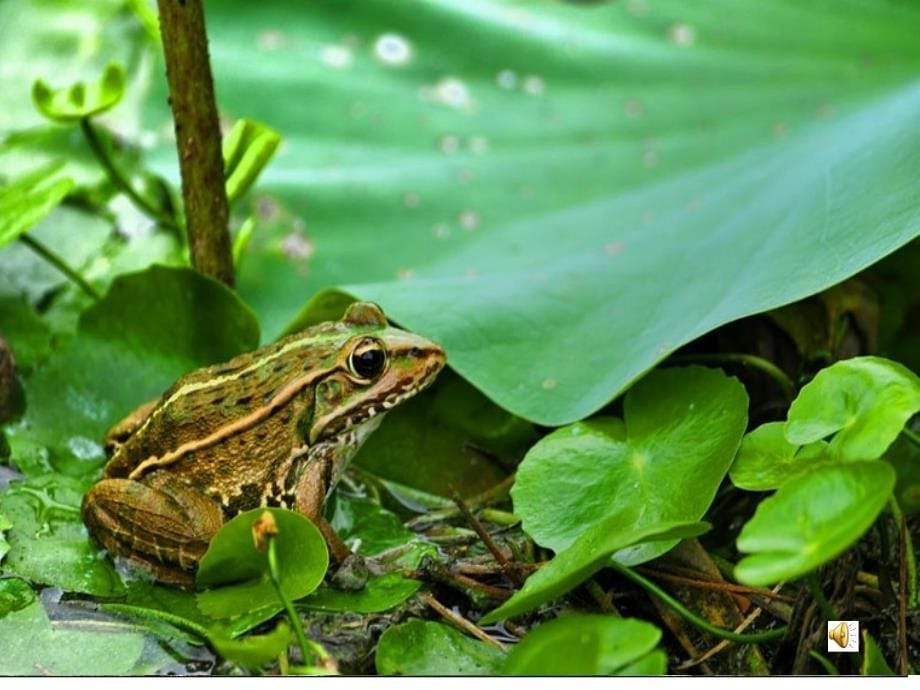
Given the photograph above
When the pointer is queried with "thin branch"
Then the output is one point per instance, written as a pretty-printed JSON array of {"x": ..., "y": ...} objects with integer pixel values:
[
  {"x": 60, "y": 265},
  {"x": 508, "y": 568},
  {"x": 716, "y": 585},
  {"x": 460, "y": 621}
]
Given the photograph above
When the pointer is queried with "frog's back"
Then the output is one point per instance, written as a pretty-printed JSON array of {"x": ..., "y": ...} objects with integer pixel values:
[{"x": 206, "y": 400}]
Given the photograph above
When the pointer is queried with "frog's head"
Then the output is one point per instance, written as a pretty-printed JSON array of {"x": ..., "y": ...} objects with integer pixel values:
[{"x": 376, "y": 368}]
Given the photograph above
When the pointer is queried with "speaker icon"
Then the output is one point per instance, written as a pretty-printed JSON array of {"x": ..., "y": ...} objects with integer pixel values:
[{"x": 843, "y": 636}]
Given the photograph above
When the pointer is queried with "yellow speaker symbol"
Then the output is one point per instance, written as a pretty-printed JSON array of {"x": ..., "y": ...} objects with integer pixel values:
[{"x": 840, "y": 634}]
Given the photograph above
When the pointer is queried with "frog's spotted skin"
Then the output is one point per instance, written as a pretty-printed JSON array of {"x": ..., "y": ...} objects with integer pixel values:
[{"x": 274, "y": 427}]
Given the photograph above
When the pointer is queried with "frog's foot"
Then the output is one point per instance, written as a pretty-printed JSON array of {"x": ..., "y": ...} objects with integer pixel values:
[
  {"x": 352, "y": 574},
  {"x": 159, "y": 523}
]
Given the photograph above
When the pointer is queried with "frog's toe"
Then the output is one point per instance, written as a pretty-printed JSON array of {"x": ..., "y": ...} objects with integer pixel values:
[{"x": 150, "y": 525}]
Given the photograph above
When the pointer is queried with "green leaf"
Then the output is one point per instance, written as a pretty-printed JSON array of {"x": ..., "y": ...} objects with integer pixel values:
[
  {"x": 80, "y": 100},
  {"x": 904, "y": 457},
  {"x": 238, "y": 573},
  {"x": 873, "y": 661},
  {"x": 864, "y": 402},
  {"x": 32, "y": 645},
  {"x": 812, "y": 519},
  {"x": 248, "y": 148},
  {"x": 445, "y": 440},
  {"x": 585, "y": 556},
  {"x": 654, "y": 663},
  {"x": 664, "y": 462},
  {"x": 151, "y": 327},
  {"x": 15, "y": 594},
  {"x": 766, "y": 459},
  {"x": 582, "y": 188},
  {"x": 5, "y": 524},
  {"x": 584, "y": 645},
  {"x": 254, "y": 651},
  {"x": 48, "y": 542},
  {"x": 422, "y": 648},
  {"x": 28, "y": 199},
  {"x": 25, "y": 331}
]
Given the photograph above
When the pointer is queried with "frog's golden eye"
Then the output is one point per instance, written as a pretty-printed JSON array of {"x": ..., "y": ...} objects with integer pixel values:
[{"x": 368, "y": 360}]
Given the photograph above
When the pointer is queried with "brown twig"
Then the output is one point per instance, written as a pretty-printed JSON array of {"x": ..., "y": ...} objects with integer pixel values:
[
  {"x": 191, "y": 96},
  {"x": 716, "y": 585},
  {"x": 745, "y": 624},
  {"x": 458, "y": 581},
  {"x": 460, "y": 621},
  {"x": 508, "y": 568}
]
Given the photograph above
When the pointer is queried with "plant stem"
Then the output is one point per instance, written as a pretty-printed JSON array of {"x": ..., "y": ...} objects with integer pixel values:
[
  {"x": 118, "y": 178},
  {"x": 911, "y": 436},
  {"x": 907, "y": 583},
  {"x": 156, "y": 614},
  {"x": 913, "y": 600},
  {"x": 60, "y": 265},
  {"x": 819, "y": 597},
  {"x": 766, "y": 366},
  {"x": 701, "y": 623},
  {"x": 191, "y": 95},
  {"x": 825, "y": 663},
  {"x": 285, "y": 601}
]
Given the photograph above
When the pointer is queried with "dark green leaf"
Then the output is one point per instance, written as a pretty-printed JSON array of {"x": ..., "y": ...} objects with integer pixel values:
[
  {"x": 584, "y": 645},
  {"x": 585, "y": 556},
  {"x": 864, "y": 402},
  {"x": 80, "y": 100},
  {"x": 447, "y": 439},
  {"x": 665, "y": 462},
  {"x": 27, "y": 334},
  {"x": 149, "y": 329},
  {"x": 238, "y": 573},
  {"x": 422, "y": 648},
  {"x": 248, "y": 148},
  {"x": 812, "y": 519}
]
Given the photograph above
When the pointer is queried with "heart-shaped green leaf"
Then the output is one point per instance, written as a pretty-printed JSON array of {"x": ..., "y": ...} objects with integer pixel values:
[
  {"x": 864, "y": 402},
  {"x": 149, "y": 329},
  {"x": 80, "y": 100},
  {"x": 238, "y": 572},
  {"x": 248, "y": 148},
  {"x": 812, "y": 519},
  {"x": 254, "y": 651},
  {"x": 585, "y": 556},
  {"x": 569, "y": 197},
  {"x": 766, "y": 459},
  {"x": 27, "y": 199},
  {"x": 15, "y": 594},
  {"x": 664, "y": 462},
  {"x": 584, "y": 645},
  {"x": 423, "y": 648}
]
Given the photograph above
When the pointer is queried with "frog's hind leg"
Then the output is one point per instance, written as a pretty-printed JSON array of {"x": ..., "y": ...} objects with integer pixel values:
[{"x": 158, "y": 522}]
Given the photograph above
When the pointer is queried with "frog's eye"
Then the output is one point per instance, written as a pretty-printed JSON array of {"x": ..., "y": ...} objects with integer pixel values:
[{"x": 368, "y": 360}]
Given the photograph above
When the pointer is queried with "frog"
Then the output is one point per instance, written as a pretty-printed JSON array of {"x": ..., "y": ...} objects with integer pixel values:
[{"x": 275, "y": 427}]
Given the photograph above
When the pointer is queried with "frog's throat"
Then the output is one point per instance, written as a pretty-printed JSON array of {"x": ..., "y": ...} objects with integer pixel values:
[{"x": 281, "y": 398}]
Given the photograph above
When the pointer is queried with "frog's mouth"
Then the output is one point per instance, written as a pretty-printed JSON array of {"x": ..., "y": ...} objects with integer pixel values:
[{"x": 397, "y": 385}]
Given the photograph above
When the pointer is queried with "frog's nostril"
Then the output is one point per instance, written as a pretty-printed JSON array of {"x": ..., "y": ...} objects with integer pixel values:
[{"x": 415, "y": 352}]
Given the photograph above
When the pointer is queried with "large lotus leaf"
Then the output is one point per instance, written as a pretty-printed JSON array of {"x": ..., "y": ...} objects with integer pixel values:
[
  {"x": 564, "y": 193},
  {"x": 663, "y": 463},
  {"x": 151, "y": 327},
  {"x": 812, "y": 519}
]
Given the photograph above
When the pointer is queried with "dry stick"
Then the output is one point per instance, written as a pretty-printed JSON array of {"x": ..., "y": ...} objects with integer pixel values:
[
  {"x": 715, "y": 585},
  {"x": 191, "y": 95},
  {"x": 458, "y": 581},
  {"x": 745, "y": 624},
  {"x": 508, "y": 568},
  {"x": 460, "y": 621}
]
